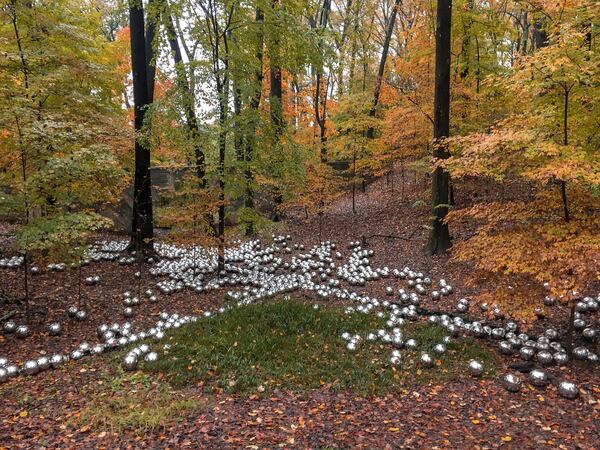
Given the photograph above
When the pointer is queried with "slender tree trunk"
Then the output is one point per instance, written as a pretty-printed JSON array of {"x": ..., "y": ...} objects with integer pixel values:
[
  {"x": 342, "y": 49},
  {"x": 142, "y": 195},
  {"x": 151, "y": 28},
  {"x": 25, "y": 71},
  {"x": 254, "y": 105},
  {"x": 466, "y": 43},
  {"x": 354, "y": 181},
  {"x": 189, "y": 101},
  {"x": 563, "y": 183},
  {"x": 222, "y": 148},
  {"x": 321, "y": 117},
  {"x": 276, "y": 108},
  {"x": 382, "y": 61},
  {"x": 439, "y": 236}
]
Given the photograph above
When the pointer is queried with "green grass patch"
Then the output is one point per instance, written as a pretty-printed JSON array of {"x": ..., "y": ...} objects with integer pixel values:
[
  {"x": 135, "y": 402},
  {"x": 290, "y": 344}
]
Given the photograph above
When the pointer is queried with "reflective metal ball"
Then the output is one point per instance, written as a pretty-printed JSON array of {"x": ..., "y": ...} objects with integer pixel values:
[
  {"x": 538, "y": 378},
  {"x": 512, "y": 382},
  {"x": 545, "y": 357},
  {"x": 30, "y": 367},
  {"x": 426, "y": 360},
  {"x": 561, "y": 358},
  {"x": 129, "y": 363},
  {"x": 22, "y": 331},
  {"x": 55, "y": 329},
  {"x": 527, "y": 353},
  {"x": 9, "y": 327},
  {"x": 151, "y": 357},
  {"x": 568, "y": 390},
  {"x": 475, "y": 368}
]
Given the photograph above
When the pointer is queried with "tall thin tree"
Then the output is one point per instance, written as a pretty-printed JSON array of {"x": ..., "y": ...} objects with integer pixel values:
[
  {"x": 142, "y": 224},
  {"x": 439, "y": 235},
  {"x": 381, "y": 71}
]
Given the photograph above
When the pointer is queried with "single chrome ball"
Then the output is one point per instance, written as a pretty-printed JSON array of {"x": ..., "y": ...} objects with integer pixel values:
[
  {"x": 31, "y": 367},
  {"x": 56, "y": 360},
  {"x": 72, "y": 311},
  {"x": 43, "y": 363},
  {"x": 128, "y": 312},
  {"x": 440, "y": 349},
  {"x": 129, "y": 363},
  {"x": 77, "y": 354},
  {"x": 411, "y": 344},
  {"x": 9, "y": 327},
  {"x": 538, "y": 378},
  {"x": 561, "y": 358},
  {"x": 55, "y": 329},
  {"x": 151, "y": 357},
  {"x": 475, "y": 368},
  {"x": 590, "y": 334},
  {"x": 580, "y": 353},
  {"x": 512, "y": 382},
  {"x": 426, "y": 360},
  {"x": 81, "y": 315},
  {"x": 22, "y": 331},
  {"x": 545, "y": 357},
  {"x": 568, "y": 390},
  {"x": 505, "y": 348},
  {"x": 12, "y": 370}
]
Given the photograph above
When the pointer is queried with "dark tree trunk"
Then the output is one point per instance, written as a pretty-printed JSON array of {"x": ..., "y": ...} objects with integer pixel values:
[
  {"x": 142, "y": 223},
  {"x": 439, "y": 236},
  {"x": 466, "y": 43},
  {"x": 254, "y": 104},
  {"x": 540, "y": 35},
  {"x": 276, "y": 109},
  {"x": 382, "y": 61},
  {"x": 563, "y": 183},
  {"x": 222, "y": 148}
]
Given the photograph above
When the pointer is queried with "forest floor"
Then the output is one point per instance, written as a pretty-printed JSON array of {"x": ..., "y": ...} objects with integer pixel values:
[{"x": 91, "y": 404}]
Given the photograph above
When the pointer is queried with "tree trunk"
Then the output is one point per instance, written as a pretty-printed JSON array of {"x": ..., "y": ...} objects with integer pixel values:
[
  {"x": 382, "y": 61},
  {"x": 439, "y": 236},
  {"x": 151, "y": 27},
  {"x": 466, "y": 43},
  {"x": 563, "y": 183},
  {"x": 142, "y": 218},
  {"x": 276, "y": 109},
  {"x": 321, "y": 117},
  {"x": 254, "y": 104},
  {"x": 193, "y": 127}
]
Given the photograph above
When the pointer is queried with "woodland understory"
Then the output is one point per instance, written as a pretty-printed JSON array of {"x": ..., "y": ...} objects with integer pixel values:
[{"x": 46, "y": 410}]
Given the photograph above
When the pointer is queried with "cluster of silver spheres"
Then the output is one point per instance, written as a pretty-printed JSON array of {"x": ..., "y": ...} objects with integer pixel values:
[
  {"x": 20, "y": 331},
  {"x": 11, "y": 263},
  {"x": 112, "y": 337},
  {"x": 254, "y": 272}
]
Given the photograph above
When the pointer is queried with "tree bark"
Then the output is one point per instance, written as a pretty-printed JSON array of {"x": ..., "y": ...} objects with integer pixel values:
[
  {"x": 382, "y": 61},
  {"x": 276, "y": 108},
  {"x": 181, "y": 79},
  {"x": 254, "y": 104},
  {"x": 439, "y": 236},
  {"x": 563, "y": 183},
  {"x": 151, "y": 27},
  {"x": 321, "y": 117},
  {"x": 142, "y": 219}
]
